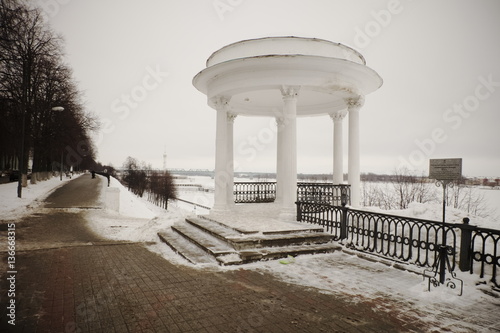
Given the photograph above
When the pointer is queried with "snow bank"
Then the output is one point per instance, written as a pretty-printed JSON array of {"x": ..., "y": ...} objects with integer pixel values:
[
  {"x": 137, "y": 219},
  {"x": 130, "y": 205},
  {"x": 13, "y": 208},
  {"x": 434, "y": 212}
]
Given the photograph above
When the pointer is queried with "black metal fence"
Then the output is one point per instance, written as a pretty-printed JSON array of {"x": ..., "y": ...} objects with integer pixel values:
[
  {"x": 254, "y": 192},
  {"x": 408, "y": 239},
  {"x": 324, "y": 193},
  {"x": 401, "y": 238}
]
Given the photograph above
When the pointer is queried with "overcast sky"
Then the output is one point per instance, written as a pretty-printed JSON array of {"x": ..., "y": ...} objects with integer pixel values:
[{"x": 440, "y": 62}]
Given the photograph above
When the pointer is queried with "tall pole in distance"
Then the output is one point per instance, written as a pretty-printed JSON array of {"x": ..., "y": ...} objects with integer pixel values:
[{"x": 59, "y": 109}]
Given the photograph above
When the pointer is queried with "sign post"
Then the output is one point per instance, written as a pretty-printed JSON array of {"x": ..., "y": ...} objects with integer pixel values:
[{"x": 445, "y": 172}]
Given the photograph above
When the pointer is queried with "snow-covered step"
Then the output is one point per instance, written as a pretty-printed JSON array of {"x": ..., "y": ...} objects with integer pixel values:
[
  {"x": 185, "y": 249},
  {"x": 286, "y": 251},
  {"x": 273, "y": 227},
  {"x": 289, "y": 252},
  {"x": 214, "y": 228},
  {"x": 225, "y": 226},
  {"x": 308, "y": 229},
  {"x": 196, "y": 238},
  {"x": 294, "y": 239},
  {"x": 230, "y": 259},
  {"x": 203, "y": 240},
  {"x": 247, "y": 241},
  {"x": 226, "y": 234}
]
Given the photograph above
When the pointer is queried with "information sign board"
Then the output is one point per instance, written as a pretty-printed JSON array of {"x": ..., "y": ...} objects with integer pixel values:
[{"x": 445, "y": 169}]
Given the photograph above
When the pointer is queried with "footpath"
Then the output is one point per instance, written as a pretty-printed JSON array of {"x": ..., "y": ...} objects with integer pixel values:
[{"x": 68, "y": 279}]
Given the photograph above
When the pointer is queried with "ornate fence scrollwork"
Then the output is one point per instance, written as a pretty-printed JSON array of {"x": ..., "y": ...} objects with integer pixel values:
[
  {"x": 412, "y": 240},
  {"x": 485, "y": 249},
  {"x": 254, "y": 192},
  {"x": 417, "y": 241},
  {"x": 323, "y": 193}
]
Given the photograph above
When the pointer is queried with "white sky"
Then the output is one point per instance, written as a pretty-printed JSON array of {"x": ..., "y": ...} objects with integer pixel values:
[{"x": 432, "y": 55}]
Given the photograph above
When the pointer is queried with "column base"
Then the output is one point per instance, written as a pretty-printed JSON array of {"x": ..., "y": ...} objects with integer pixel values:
[
  {"x": 288, "y": 214},
  {"x": 220, "y": 209}
]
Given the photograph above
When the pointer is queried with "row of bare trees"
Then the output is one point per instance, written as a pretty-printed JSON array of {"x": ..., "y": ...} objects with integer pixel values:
[
  {"x": 404, "y": 187},
  {"x": 401, "y": 189},
  {"x": 34, "y": 83},
  {"x": 141, "y": 178}
]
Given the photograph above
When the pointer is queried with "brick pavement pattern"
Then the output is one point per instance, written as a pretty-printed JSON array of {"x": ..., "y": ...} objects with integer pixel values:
[{"x": 86, "y": 284}]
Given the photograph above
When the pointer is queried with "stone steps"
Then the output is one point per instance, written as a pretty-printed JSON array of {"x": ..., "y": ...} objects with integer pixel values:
[
  {"x": 185, "y": 249},
  {"x": 283, "y": 252},
  {"x": 203, "y": 240},
  {"x": 267, "y": 239},
  {"x": 197, "y": 237},
  {"x": 218, "y": 227}
]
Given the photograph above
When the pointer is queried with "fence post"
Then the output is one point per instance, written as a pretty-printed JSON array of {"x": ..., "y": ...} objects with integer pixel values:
[
  {"x": 299, "y": 211},
  {"x": 465, "y": 262},
  {"x": 343, "y": 218},
  {"x": 343, "y": 224},
  {"x": 343, "y": 221}
]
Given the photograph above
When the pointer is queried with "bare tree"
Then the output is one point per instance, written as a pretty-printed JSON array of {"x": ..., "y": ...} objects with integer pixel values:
[
  {"x": 33, "y": 79},
  {"x": 134, "y": 176},
  {"x": 410, "y": 188},
  {"x": 404, "y": 187},
  {"x": 162, "y": 188},
  {"x": 468, "y": 199},
  {"x": 140, "y": 177}
]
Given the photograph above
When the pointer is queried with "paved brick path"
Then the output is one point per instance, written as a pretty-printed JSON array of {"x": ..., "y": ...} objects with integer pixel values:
[
  {"x": 125, "y": 288},
  {"x": 87, "y": 284}
]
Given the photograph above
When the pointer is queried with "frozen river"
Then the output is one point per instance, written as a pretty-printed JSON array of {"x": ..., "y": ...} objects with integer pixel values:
[{"x": 202, "y": 194}]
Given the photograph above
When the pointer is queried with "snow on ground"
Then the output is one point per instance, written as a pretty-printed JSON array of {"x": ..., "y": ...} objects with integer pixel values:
[
  {"x": 488, "y": 206},
  {"x": 137, "y": 220},
  {"x": 342, "y": 272},
  {"x": 386, "y": 287},
  {"x": 492, "y": 201},
  {"x": 32, "y": 196},
  {"x": 434, "y": 212},
  {"x": 338, "y": 273}
]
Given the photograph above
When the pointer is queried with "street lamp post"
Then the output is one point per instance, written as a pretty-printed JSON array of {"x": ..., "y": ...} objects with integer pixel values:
[
  {"x": 61, "y": 171},
  {"x": 21, "y": 159},
  {"x": 59, "y": 109}
]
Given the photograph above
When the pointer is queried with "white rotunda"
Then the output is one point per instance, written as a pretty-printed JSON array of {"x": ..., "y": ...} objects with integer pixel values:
[{"x": 286, "y": 78}]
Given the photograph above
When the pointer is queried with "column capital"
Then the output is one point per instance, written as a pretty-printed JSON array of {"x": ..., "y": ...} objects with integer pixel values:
[
  {"x": 355, "y": 102},
  {"x": 280, "y": 121},
  {"x": 338, "y": 115},
  {"x": 231, "y": 117},
  {"x": 289, "y": 92},
  {"x": 220, "y": 102}
]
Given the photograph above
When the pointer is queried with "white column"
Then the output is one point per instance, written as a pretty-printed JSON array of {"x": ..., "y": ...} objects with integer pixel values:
[
  {"x": 279, "y": 160},
  {"x": 230, "y": 159},
  {"x": 289, "y": 153},
  {"x": 338, "y": 152},
  {"x": 222, "y": 175},
  {"x": 353, "y": 106}
]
